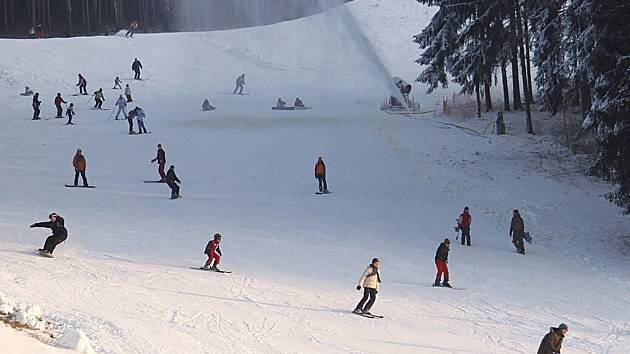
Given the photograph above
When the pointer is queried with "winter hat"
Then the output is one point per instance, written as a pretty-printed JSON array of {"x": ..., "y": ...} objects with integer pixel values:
[
  {"x": 563, "y": 326},
  {"x": 52, "y": 214},
  {"x": 447, "y": 241},
  {"x": 465, "y": 208},
  {"x": 217, "y": 236},
  {"x": 374, "y": 260}
]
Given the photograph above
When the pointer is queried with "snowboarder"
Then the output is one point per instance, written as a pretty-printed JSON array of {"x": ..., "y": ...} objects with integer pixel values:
[
  {"x": 517, "y": 229},
  {"x": 161, "y": 160},
  {"x": 240, "y": 83},
  {"x": 58, "y": 101},
  {"x": 463, "y": 224},
  {"x": 117, "y": 84},
  {"x": 213, "y": 251},
  {"x": 371, "y": 282},
  {"x": 79, "y": 164},
  {"x": 70, "y": 114},
  {"x": 36, "y": 103},
  {"x": 98, "y": 99},
  {"x": 280, "y": 103},
  {"x": 132, "y": 28},
  {"x": 441, "y": 262},
  {"x": 82, "y": 84},
  {"x": 320, "y": 175},
  {"x": 552, "y": 341},
  {"x": 139, "y": 113},
  {"x": 128, "y": 93},
  {"x": 172, "y": 181},
  {"x": 27, "y": 92},
  {"x": 136, "y": 66},
  {"x": 58, "y": 229},
  {"x": 298, "y": 103},
  {"x": 206, "y": 106},
  {"x": 122, "y": 106}
]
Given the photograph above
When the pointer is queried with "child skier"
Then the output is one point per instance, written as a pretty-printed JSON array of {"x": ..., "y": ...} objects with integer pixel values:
[
  {"x": 98, "y": 99},
  {"x": 370, "y": 281},
  {"x": 117, "y": 83},
  {"x": 128, "y": 93},
  {"x": 441, "y": 262},
  {"x": 56, "y": 224},
  {"x": 70, "y": 114},
  {"x": 213, "y": 251}
]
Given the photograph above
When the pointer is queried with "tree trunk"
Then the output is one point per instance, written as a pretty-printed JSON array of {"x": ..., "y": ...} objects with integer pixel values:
[
  {"x": 33, "y": 15},
  {"x": 506, "y": 93},
  {"x": 69, "y": 16},
  {"x": 585, "y": 98},
  {"x": 516, "y": 91},
  {"x": 6, "y": 16},
  {"x": 528, "y": 112},
  {"x": 530, "y": 91},
  {"x": 478, "y": 101},
  {"x": 50, "y": 27},
  {"x": 488, "y": 96}
]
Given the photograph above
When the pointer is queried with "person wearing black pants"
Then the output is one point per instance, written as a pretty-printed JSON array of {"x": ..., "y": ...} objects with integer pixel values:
[
  {"x": 172, "y": 181},
  {"x": 36, "y": 103},
  {"x": 60, "y": 234},
  {"x": 370, "y": 281}
]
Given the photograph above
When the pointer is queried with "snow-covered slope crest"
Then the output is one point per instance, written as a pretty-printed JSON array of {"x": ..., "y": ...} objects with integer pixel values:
[{"x": 124, "y": 277}]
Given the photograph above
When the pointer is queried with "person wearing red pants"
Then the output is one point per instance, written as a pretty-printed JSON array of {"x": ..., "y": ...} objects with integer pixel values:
[
  {"x": 214, "y": 253},
  {"x": 441, "y": 262},
  {"x": 161, "y": 160}
]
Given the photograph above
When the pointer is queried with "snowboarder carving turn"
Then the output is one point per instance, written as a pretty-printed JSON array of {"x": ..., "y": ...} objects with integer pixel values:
[
  {"x": 136, "y": 66},
  {"x": 213, "y": 251},
  {"x": 59, "y": 233},
  {"x": 320, "y": 175},
  {"x": 371, "y": 282},
  {"x": 441, "y": 263},
  {"x": 552, "y": 341},
  {"x": 517, "y": 231},
  {"x": 240, "y": 83}
]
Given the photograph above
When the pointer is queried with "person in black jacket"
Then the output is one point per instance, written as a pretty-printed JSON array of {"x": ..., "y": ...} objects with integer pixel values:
[
  {"x": 36, "y": 103},
  {"x": 441, "y": 262},
  {"x": 136, "y": 66},
  {"x": 56, "y": 224},
  {"x": 172, "y": 181},
  {"x": 161, "y": 160}
]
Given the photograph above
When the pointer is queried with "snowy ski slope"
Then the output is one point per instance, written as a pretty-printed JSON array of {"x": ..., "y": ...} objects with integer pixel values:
[{"x": 124, "y": 276}]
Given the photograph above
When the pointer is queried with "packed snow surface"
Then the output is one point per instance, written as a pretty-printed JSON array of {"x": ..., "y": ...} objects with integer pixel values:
[{"x": 123, "y": 276}]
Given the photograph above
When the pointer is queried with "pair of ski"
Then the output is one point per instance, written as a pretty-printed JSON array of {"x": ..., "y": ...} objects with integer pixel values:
[
  {"x": 212, "y": 270},
  {"x": 73, "y": 186},
  {"x": 323, "y": 192},
  {"x": 368, "y": 315}
]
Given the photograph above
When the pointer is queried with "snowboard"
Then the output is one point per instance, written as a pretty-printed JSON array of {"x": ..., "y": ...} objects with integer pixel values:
[
  {"x": 159, "y": 181},
  {"x": 320, "y": 193},
  {"x": 283, "y": 108},
  {"x": 47, "y": 255},
  {"x": 366, "y": 315},
  {"x": 210, "y": 270},
  {"x": 302, "y": 108},
  {"x": 527, "y": 237},
  {"x": 73, "y": 186},
  {"x": 178, "y": 197}
]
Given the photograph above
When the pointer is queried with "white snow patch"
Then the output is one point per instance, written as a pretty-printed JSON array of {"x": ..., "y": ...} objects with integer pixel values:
[{"x": 76, "y": 340}]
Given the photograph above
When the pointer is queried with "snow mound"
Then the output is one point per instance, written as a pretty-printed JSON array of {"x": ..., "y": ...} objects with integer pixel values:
[
  {"x": 76, "y": 340},
  {"x": 28, "y": 315}
]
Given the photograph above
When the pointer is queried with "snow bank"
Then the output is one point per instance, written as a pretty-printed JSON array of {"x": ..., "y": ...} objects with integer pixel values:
[
  {"x": 27, "y": 315},
  {"x": 76, "y": 340}
]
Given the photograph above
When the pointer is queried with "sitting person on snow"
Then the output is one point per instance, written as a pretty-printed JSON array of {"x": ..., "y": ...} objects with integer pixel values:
[
  {"x": 206, "y": 106},
  {"x": 281, "y": 103},
  {"x": 298, "y": 103},
  {"x": 27, "y": 92}
]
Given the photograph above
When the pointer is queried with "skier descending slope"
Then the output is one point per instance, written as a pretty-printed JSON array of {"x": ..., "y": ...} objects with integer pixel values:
[
  {"x": 82, "y": 84},
  {"x": 98, "y": 99},
  {"x": 213, "y": 251},
  {"x": 60, "y": 234},
  {"x": 371, "y": 282},
  {"x": 441, "y": 262},
  {"x": 70, "y": 113}
]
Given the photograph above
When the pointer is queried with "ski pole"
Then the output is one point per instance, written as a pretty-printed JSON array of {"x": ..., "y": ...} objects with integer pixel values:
[{"x": 112, "y": 113}]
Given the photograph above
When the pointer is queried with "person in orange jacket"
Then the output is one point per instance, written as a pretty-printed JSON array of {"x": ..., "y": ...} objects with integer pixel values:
[
  {"x": 320, "y": 175},
  {"x": 80, "y": 165},
  {"x": 58, "y": 101}
]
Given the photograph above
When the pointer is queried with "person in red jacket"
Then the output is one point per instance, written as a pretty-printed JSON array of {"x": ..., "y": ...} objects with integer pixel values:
[
  {"x": 214, "y": 253},
  {"x": 320, "y": 175},
  {"x": 58, "y": 101},
  {"x": 463, "y": 223}
]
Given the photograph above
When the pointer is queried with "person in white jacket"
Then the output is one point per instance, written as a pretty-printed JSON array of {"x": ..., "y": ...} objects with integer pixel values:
[
  {"x": 371, "y": 282},
  {"x": 140, "y": 118},
  {"x": 122, "y": 106},
  {"x": 128, "y": 93}
]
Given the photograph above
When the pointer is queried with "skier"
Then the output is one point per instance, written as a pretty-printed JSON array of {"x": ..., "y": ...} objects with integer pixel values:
[
  {"x": 139, "y": 113},
  {"x": 58, "y": 229},
  {"x": 122, "y": 106},
  {"x": 280, "y": 103},
  {"x": 70, "y": 114},
  {"x": 320, "y": 175},
  {"x": 132, "y": 28},
  {"x": 161, "y": 160},
  {"x": 99, "y": 98},
  {"x": 58, "y": 101},
  {"x": 517, "y": 229},
  {"x": 128, "y": 93},
  {"x": 552, "y": 341},
  {"x": 463, "y": 224},
  {"x": 27, "y": 91},
  {"x": 240, "y": 83},
  {"x": 82, "y": 84},
  {"x": 172, "y": 181},
  {"x": 79, "y": 164},
  {"x": 441, "y": 262},
  {"x": 371, "y": 282},
  {"x": 130, "y": 117},
  {"x": 206, "y": 106},
  {"x": 117, "y": 83},
  {"x": 136, "y": 66},
  {"x": 298, "y": 103},
  {"x": 36, "y": 103},
  {"x": 214, "y": 254}
]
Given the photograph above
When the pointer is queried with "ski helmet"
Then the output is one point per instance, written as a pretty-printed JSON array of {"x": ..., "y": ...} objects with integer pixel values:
[{"x": 217, "y": 236}]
